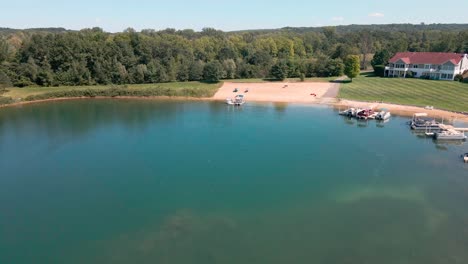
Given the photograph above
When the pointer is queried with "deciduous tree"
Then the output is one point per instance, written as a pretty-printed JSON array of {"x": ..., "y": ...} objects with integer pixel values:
[{"x": 352, "y": 66}]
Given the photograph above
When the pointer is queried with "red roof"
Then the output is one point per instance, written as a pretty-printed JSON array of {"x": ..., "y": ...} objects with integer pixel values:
[{"x": 427, "y": 57}]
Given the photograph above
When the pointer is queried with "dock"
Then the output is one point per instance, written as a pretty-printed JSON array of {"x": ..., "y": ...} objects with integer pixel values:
[{"x": 449, "y": 127}]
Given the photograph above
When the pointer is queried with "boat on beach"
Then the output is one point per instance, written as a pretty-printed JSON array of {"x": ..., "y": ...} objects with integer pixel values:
[
  {"x": 237, "y": 101},
  {"x": 450, "y": 135}
]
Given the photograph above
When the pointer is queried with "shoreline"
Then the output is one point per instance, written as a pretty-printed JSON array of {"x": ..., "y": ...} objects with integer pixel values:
[
  {"x": 401, "y": 110},
  {"x": 175, "y": 98}
]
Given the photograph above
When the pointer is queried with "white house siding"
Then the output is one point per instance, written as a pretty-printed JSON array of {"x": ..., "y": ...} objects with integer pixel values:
[
  {"x": 400, "y": 69},
  {"x": 464, "y": 64}
]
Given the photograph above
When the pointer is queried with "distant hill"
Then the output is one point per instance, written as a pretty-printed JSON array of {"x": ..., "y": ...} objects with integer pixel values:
[
  {"x": 299, "y": 30},
  {"x": 33, "y": 30},
  {"x": 355, "y": 28}
]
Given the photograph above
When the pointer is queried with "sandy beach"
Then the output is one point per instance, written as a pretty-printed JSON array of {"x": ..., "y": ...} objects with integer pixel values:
[{"x": 277, "y": 92}]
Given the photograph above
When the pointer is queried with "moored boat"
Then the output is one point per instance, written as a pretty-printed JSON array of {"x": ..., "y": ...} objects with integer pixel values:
[
  {"x": 420, "y": 121},
  {"x": 450, "y": 135},
  {"x": 465, "y": 157},
  {"x": 383, "y": 115},
  {"x": 348, "y": 112},
  {"x": 237, "y": 101},
  {"x": 365, "y": 114}
]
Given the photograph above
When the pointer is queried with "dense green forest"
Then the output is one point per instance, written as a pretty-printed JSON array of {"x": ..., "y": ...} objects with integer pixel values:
[{"x": 52, "y": 57}]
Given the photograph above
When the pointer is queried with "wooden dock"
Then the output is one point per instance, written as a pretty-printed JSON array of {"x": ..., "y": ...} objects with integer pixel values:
[{"x": 459, "y": 129}]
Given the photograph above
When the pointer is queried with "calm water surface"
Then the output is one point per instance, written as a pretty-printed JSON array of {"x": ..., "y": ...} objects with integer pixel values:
[{"x": 104, "y": 181}]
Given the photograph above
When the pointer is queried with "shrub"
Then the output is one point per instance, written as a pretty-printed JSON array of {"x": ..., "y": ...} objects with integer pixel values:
[
  {"x": 458, "y": 78},
  {"x": 116, "y": 91},
  {"x": 379, "y": 70},
  {"x": 5, "y": 100}
]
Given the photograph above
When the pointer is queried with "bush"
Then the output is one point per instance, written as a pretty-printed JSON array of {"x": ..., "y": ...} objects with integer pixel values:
[
  {"x": 5, "y": 100},
  {"x": 458, "y": 78},
  {"x": 280, "y": 70},
  {"x": 302, "y": 77},
  {"x": 379, "y": 70},
  {"x": 119, "y": 91},
  {"x": 213, "y": 71},
  {"x": 465, "y": 80}
]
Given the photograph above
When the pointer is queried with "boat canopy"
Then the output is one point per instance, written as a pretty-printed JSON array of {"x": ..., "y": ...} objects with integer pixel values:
[{"x": 420, "y": 114}]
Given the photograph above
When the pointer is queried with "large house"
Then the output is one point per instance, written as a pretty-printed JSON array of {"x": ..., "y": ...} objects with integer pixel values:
[{"x": 431, "y": 65}]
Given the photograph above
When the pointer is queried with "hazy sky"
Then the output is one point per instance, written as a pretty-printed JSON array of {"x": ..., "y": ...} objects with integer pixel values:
[{"x": 225, "y": 15}]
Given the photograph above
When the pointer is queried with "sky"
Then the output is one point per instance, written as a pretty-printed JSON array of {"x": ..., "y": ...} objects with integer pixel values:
[{"x": 117, "y": 15}]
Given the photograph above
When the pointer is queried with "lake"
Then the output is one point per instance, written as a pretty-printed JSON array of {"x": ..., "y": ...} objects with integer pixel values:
[{"x": 153, "y": 181}]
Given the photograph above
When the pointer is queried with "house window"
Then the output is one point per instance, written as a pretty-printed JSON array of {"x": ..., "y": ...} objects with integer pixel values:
[
  {"x": 444, "y": 76},
  {"x": 448, "y": 68},
  {"x": 450, "y": 76},
  {"x": 427, "y": 66},
  {"x": 415, "y": 66}
]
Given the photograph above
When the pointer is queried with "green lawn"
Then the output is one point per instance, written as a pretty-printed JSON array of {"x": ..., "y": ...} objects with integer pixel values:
[
  {"x": 440, "y": 94},
  {"x": 22, "y": 93}
]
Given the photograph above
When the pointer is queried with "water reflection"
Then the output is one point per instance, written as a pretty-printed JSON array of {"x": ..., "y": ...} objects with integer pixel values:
[{"x": 61, "y": 122}]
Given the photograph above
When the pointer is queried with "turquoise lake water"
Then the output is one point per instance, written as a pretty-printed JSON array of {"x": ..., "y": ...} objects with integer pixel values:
[{"x": 135, "y": 181}]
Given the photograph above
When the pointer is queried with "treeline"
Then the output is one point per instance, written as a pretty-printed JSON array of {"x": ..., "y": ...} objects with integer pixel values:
[{"x": 92, "y": 56}]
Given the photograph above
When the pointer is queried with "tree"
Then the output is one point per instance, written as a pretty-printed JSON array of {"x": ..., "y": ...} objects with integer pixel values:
[
  {"x": 196, "y": 71},
  {"x": 4, "y": 81},
  {"x": 4, "y": 50},
  {"x": 213, "y": 71},
  {"x": 380, "y": 58},
  {"x": 280, "y": 70},
  {"x": 92, "y": 56},
  {"x": 352, "y": 66},
  {"x": 335, "y": 67},
  {"x": 156, "y": 73},
  {"x": 302, "y": 77},
  {"x": 229, "y": 69}
]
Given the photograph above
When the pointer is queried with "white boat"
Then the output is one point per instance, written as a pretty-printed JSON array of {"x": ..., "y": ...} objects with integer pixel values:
[
  {"x": 383, "y": 115},
  {"x": 237, "y": 101},
  {"x": 450, "y": 135},
  {"x": 465, "y": 157},
  {"x": 420, "y": 121},
  {"x": 348, "y": 112}
]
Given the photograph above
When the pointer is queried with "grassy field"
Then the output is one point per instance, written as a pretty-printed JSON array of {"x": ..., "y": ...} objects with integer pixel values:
[
  {"x": 191, "y": 89},
  {"x": 440, "y": 94}
]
